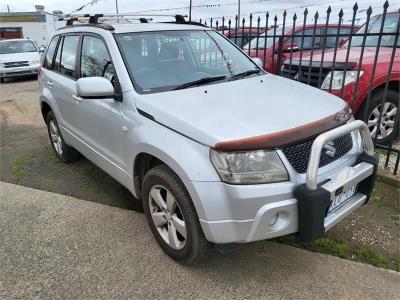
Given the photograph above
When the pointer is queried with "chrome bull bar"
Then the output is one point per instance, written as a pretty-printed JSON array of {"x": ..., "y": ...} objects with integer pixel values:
[{"x": 323, "y": 139}]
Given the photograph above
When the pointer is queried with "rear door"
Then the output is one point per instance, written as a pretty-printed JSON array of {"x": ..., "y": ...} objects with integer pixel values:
[
  {"x": 45, "y": 78},
  {"x": 63, "y": 82}
]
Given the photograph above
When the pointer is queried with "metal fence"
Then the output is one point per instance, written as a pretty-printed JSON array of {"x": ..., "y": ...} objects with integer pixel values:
[{"x": 358, "y": 62}]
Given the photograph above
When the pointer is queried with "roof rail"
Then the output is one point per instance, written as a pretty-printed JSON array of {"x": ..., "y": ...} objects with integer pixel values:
[{"x": 142, "y": 18}]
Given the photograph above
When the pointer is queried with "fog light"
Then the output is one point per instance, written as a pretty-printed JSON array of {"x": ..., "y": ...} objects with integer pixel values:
[{"x": 273, "y": 220}]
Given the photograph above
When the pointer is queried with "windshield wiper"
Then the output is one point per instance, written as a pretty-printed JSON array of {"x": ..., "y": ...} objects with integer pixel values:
[
  {"x": 244, "y": 74},
  {"x": 198, "y": 82}
]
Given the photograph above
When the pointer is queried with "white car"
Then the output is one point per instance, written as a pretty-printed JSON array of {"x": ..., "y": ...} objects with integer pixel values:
[
  {"x": 18, "y": 57},
  {"x": 217, "y": 150}
]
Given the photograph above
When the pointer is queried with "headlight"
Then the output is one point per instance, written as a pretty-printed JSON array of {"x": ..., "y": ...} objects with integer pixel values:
[
  {"x": 337, "y": 81},
  {"x": 250, "y": 167}
]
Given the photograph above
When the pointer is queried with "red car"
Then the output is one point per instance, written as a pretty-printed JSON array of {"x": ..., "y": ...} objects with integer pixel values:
[
  {"x": 271, "y": 64},
  {"x": 242, "y": 36},
  {"x": 389, "y": 127}
]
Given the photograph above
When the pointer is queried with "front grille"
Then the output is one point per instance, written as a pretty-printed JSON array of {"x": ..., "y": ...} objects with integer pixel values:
[
  {"x": 305, "y": 74},
  {"x": 299, "y": 155},
  {"x": 16, "y": 64}
]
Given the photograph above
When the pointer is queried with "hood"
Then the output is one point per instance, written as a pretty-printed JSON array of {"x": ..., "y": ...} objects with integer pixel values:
[
  {"x": 25, "y": 56},
  {"x": 354, "y": 56},
  {"x": 240, "y": 109}
]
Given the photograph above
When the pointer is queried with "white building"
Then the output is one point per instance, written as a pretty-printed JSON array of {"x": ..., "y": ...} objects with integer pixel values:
[{"x": 38, "y": 25}]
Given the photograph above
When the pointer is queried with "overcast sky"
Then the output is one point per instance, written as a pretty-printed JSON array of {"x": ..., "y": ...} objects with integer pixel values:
[{"x": 226, "y": 8}]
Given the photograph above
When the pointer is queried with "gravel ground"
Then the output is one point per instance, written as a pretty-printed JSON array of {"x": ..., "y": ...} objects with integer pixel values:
[
  {"x": 392, "y": 158},
  {"x": 59, "y": 247},
  {"x": 27, "y": 159}
]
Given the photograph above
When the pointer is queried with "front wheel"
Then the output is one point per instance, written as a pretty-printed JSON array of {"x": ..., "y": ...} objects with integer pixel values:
[
  {"x": 389, "y": 126},
  {"x": 172, "y": 216}
]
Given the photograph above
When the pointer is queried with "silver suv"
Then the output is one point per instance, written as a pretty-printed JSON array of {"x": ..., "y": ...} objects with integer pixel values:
[{"x": 217, "y": 150}]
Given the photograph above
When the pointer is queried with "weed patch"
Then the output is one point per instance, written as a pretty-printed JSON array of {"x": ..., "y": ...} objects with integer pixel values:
[
  {"x": 21, "y": 165},
  {"x": 340, "y": 248}
]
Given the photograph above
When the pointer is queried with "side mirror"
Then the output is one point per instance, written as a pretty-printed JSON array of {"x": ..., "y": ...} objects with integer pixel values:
[
  {"x": 94, "y": 88},
  {"x": 258, "y": 62},
  {"x": 41, "y": 49}
]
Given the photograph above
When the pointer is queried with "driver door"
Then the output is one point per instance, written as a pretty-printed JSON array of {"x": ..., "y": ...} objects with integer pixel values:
[{"x": 99, "y": 120}]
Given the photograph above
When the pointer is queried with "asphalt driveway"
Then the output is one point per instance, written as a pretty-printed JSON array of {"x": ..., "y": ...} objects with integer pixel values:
[{"x": 55, "y": 246}]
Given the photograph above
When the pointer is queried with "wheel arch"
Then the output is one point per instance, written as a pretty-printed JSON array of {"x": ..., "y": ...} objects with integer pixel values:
[
  {"x": 45, "y": 108},
  {"x": 394, "y": 84}
]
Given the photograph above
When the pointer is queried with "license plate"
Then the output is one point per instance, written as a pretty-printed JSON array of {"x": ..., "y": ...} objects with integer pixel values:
[{"x": 342, "y": 198}]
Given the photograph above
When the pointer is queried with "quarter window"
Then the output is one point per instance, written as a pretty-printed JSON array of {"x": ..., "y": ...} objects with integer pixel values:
[
  {"x": 68, "y": 55},
  {"x": 57, "y": 60},
  {"x": 95, "y": 60},
  {"x": 48, "y": 60}
]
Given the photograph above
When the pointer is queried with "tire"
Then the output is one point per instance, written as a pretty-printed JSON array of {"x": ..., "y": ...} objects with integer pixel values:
[
  {"x": 65, "y": 153},
  {"x": 1, "y": 80},
  {"x": 390, "y": 121},
  {"x": 162, "y": 181}
]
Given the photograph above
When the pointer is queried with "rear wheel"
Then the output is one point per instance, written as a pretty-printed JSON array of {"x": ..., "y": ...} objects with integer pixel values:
[
  {"x": 389, "y": 126},
  {"x": 65, "y": 153},
  {"x": 172, "y": 216}
]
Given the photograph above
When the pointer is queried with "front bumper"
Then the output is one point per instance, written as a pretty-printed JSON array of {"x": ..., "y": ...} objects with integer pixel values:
[
  {"x": 267, "y": 211},
  {"x": 19, "y": 71}
]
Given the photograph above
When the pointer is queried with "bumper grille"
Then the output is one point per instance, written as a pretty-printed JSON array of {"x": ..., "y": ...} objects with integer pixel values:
[
  {"x": 299, "y": 155},
  {"x": 15, "y": 64},
  {"x": 302, "y": 73}
]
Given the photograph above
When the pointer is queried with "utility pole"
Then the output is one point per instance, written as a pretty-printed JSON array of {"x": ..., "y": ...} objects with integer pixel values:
[
  {"x": 190, "y": 11},
  {"x": 239, "y": 11},
  {"x": 116, "y": 8},
  {"x": 8, "y": 8}
]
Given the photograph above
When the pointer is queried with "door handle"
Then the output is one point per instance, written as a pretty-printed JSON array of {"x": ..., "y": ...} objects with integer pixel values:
[
  {"x": 49, "y": 83},
  {"x": 77, "y": 98}
]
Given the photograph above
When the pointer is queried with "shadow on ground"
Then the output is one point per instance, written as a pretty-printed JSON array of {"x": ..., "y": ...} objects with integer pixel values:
[{"x": 27, "y": 159}]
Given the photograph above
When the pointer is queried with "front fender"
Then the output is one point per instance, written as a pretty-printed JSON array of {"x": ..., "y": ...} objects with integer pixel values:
[{"x": 188, "y": 159}]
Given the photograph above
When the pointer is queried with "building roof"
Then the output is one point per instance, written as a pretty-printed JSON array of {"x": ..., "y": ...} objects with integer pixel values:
[{"x": 31, "y": 16}]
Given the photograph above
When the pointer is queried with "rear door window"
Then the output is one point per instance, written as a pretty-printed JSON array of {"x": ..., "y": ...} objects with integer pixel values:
[{"x": 68, "y": 55}]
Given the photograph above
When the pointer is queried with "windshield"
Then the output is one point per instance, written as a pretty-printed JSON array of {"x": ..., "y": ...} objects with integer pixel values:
[
  {"x": 7, "y": 47},
  {"x": 390, "y": 26},
  {"x": 168, "y": 60},
  {"x": 269, "y": 41}
]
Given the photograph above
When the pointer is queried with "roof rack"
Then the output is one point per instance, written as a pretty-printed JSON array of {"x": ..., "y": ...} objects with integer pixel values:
[{"x": 93, "y": 20}]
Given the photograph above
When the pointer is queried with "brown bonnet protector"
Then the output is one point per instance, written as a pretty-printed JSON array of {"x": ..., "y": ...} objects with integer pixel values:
[{"x": 287, "y": 137}]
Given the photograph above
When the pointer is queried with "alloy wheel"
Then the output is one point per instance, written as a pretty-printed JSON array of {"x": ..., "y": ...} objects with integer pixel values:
[
  {"x": 55, "y": 137},
  {"x": 167, "y": 217},
  {"x": 387, "y": 123}
]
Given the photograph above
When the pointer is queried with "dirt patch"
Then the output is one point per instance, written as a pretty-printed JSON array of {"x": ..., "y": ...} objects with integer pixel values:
[
  {"x": 374, "y": 225},
  {"x": 26, "y": 157}
]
